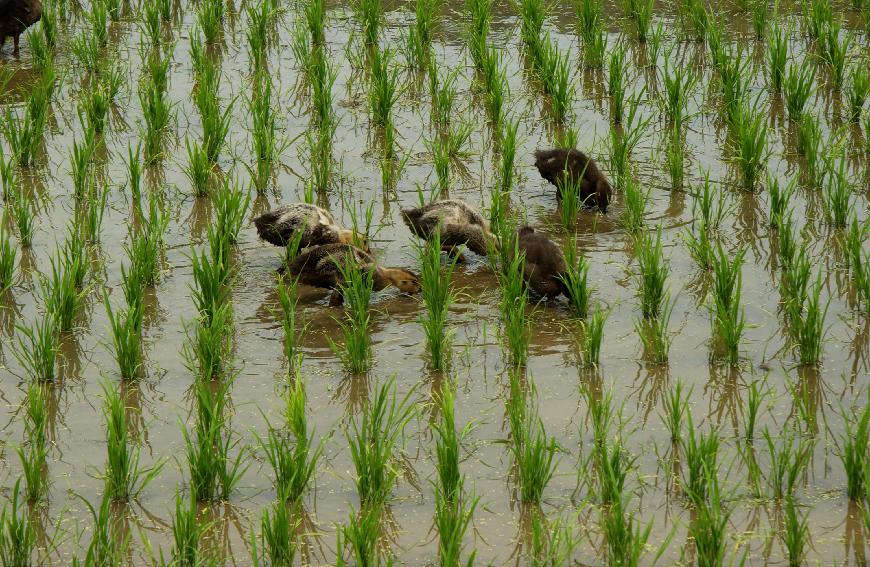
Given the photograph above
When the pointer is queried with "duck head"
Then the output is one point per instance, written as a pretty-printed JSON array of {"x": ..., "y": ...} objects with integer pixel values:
[{"x": 405, "y": 280}]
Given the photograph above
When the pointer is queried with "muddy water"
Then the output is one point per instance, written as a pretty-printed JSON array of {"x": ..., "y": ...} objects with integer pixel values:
[{"x": 499, "y": 532}]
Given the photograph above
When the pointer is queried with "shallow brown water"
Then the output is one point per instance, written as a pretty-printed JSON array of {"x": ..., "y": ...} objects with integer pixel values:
[{"x": 77, "y": 453}]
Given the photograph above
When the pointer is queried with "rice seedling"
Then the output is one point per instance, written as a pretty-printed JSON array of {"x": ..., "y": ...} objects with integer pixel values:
[
  {"x": 369, "y": 13},
  {"x": 788, "y": 461},
  {"x": 553, "y": 543},
  {"x": 760, "y": 18},
  {"x": 835, "y": 48},
  {"x": 858, "y": 91},
  {"x": 99, "y": 20},
  {"x": 679, "y": 82},
  {"x": 146, "y": 246},
  {"x": 780, "y": 198},
  {"x": 616, "y": 72},
  {"x": 589, "y": 19},
  {"x": 48, "y": 25},
  {"x": 356, "y": 291},
  {"x": 676, "y": 405},
  {"x": 636, "y": 201},
  {"x": 576, "y": 279},
  {"x": 654, "y": 334},
  {"x": 652, "y": 274},
  {"x": 276, "y": 534},
  {"x": 443, "y": 91},
  {"x": 798, "y": 88},
  {"x": 709, "y": 528},
  {"x": 854, "y": 454},
  {"x": 795, "y": 534},
  {"x": 437, "y": 296},
  {"x": 210, "y": 17},
  {"x": 809, "y": 142},
  {"x": 187, "y": 531},
  {"x": 532, "y": 16},
  {"x": 18, "y": 536},
  {"x": 42, "y": 53},
  {"x": 89, "y": 215},
  {"x": 534, "y": 454},
  {"x": 362, "y": 533},
  {"x": 452, "y": 519},
  {"x": 749, "y": 143},
  {"x": 257, "y": 32},
  {"x": 777, "y": 54},
  {"x": 108, "y": 546},
  {"x": 209, "y": 342},
  {"x": 625, "y": 536},
  {"x": 700, "y": 246},
  {"x": 151, "y": 23},
  {"x": 373, "y": 440},
  {"x": 134, "y": 171},
  {"x": 624, "y": 141},
  {"x": 420, "y": 34},
  {"x": 8, "y": 255},
  {"x": 288, "y": 298},
  {"x": 60, "y": 294},
  {"x": 384, "y": 91},
  {"x": 556, "y": 73},
  {"x": 156, "y": 114},
  {"x": 126, "y": 329},
  {"x": 478, "y": 30},
  {"x": 82, "y": 162},
  {"x": 807, "y": 324},
  {"x": 124, "y": 477},
  {"x": 593, "y": 335},
  {"x": 23, "y": 135},
  {"x": 24, "y": 217},
  {"x": 837, "y": 192},
  {"x": 514, "y": 301},
  {"x": 508, "y": 153},
  {"x": 728, "y": 317},
  {"x": 858, "y": 260},
  {"x": 215, "y": 124},
  {"x": 293, "y": 458},
  {"x": 641, "y": 12},
  {"x": 231, "y": 205},
  {"x": 8, "y": 180},
  {"x": 700, "y": 480}
]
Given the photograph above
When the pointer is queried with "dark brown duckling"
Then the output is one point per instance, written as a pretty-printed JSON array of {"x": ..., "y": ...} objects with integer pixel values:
[
  {"x": 15, "y": 17},
  {"x": 315, "y": 224},
  {"x": 459, "y": 224},
  {"x": 568, "y": 164},
  {"x": 321, "y": 267},
  {"x": 545, "y": 265}
]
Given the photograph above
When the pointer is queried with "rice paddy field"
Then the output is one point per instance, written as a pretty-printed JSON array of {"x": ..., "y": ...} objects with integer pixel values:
[{"x": 700, "y": 398}]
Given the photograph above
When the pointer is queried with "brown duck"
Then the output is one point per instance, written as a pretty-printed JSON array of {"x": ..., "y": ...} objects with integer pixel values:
[
  {"x": 458, "y": 222},
  {"x": 312, "y": 224},
  {"x": 568, "y": 164},
  {"x": 545, "y": 265},
  {"x": 322, "y": 266},
  {"x": 15, "y": 17}
]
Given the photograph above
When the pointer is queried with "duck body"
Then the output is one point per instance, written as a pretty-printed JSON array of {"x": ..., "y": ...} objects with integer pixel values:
[
  {"x": 545, "y": 265},
  {"x": 568, "y": 165},
  {"x": 316, "y": 225},
  {"x": 16, "y": 16},
  {"x": 458, "y": 223},
  {"x": 321, "y": 266}
]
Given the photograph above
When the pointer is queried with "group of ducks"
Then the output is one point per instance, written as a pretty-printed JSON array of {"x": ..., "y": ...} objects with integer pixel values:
[{"x": 328, "y": 247}]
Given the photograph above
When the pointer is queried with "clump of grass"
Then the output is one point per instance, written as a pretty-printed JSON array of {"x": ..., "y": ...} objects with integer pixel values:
[
  {"x": 859, "y": 261},
  {"x": 652, "y": 274},
  {"x": 577, "y": 279},
  {"x": 533, "y": 452},
  {"x": 623, "y": 141},
  {"x": 231, "y": 205},
  {"x": 616, "y": 72},
  {"x": 835, "y": 51},
  {"x": 798, "y": 88},
  {"x": 276, "y": 534},
  {"x": 807, "y": 322},
  {"x": 514, "y": 301},
  {"x": 788, "y": 461},
  {"x": 18, "y": 536},
  {"x": 210, "y": 17},
  {"x": 215, "y": 123},
  {"x": 419, "y": 43},
  {"x": 749, "y": 144},
  {"x": 837, "y": 192},
  {"x": 156, "y": 108},
  {"x": 809, "y": 142},
  {"x": 384, "y": 91},
  {"x": 654, "y": 333},
  {"x": 676, "y": 404},
  {"x": 356, "y": 291},
  {"x": 369, "y": 13},
  {"x": 362, "y": 534},
  {"x": 795, "y": 534},
  {"x": 854, "y": 454},
  {"x": 125, "y": 479},
  {"x": 507, "y": 156},
  {"x": 754, "y": 397},
  {"x": 636, "y": 201},
  {"x": 198, "y": 169},
  {"x": 700, "y": 478},
  {"x": 480, "y": 12},
  {"x": 592, "y": 32},
  {"x": 858, "y": 91},
  {"x": 373, "y": 440},
  {"x": 288, "y": 298},
  {"x": 60, "y": 293},
  {"x": 709, "y": 528},
  {"x": 24, "y": 217},
  {"x": 266, "y": 144},
  {"x": 593, "y": 335},
  {"x": 126, "y": 329},
  {"x": 679, "y": 82},
  {"x": 8, "y": 255},
  {"x": 780, "y": 198},
  {"x": 437, "y": 297},
  {"x": 728, "y": 319},
  {"x": 777, "y": 55},
  {"x": 187, "y": 532}
]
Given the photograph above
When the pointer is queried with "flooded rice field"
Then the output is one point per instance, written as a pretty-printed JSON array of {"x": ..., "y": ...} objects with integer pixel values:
[{"x": 724, "y": 419}]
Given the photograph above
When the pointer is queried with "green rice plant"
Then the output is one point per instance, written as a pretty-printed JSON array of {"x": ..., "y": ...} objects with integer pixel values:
[
  {"x": 82, "y": 162},
  {"x": 576, "y": 279},
  {"x": 480, "y": 12},
  {"x": 652, "y": 274},
  {"x": 700, "y": 246},
  {"x": 156, "y": 114},
  {"x": 384, "y": 91},
  {"x": 34, "y": 471},
  {"x": 679, "y": 82},
  {"x": 837, "y": 192},
  {"x": 215, "y": 124},
  {"x": 760, "y": 18},
  {"x": 798, "y": 88},
  {"x": 613, "y": 466},
  {"x": 8, "y": 255},
  {"x": 776, "y": 55},
  {"x": 553, "y": 543},
  {"x": 447, "y": 447},
  {"x": 276, "y": 533},
  {"x": 514, "y": 301},
  {"x": 99, "y": 20},
  {"x": 858, "y": 91},
  {"x": 709, "y": 527},
  {"x": 126, "y": 329},
  {"x": 293, "y": 458},
  {"x": 558, "y": 85},
  {"x": 257, "y": 32},
  {"x": 589, "y": 19},
  {"x": 146, "y": 246},
  {"x": 749, "y": 142},
  {"x": 437, "y": 296},
  {"x": 107, "y": 546},
  {"x": 623, "y": 141},
  {"x": 89, "y": 215},
  {"x": 809, "y": 142},
  {"x": 18, "y": 536},
  {"x": 8, "y": 181},
  {"x": 42, "y": 53},
  {"x": 507, "y": 155},
  {"x": 198, "y": 56},
  {"x": 593, "y": 334},
  {"x": 780, "y": 198},
  {"x": 854, "y": 454},
  {"x": 534, "y": 454},
  {"x": 625, "y": 536},
  {"x": 795, "y": 534},
  {"x": 807, "y": 324},
  {"x": 788, "y": 461},
  {"x": 601, "y": 416},
  {"x": 356, "y": 291},
  {"x": 452, "y": 519},
  {"x": 61, "y": 296},
  {"x": 636, "y": 201},
  {"x": 231, "y": 204},
  {"x": 125, "y": 479},
  {"x": 425, "y": 21},
  {"x": 754, "y": 397},
  {"x": 728, "y": 317},
  {"x": 187, "y": 532},
  {"x": 858, "y": 260},
  {"x": 362, "y": 532},
  {"x": 700, "y": 482},
  {"x": 835, "y": 51},
  {"x": 267, "y": 146},
  {"x": 676, "y": 404},
  {"x": 532, "y": 16},
  {"x": 210, "y": 17},
  {"x": 48, "y": 25},
  {"x": 151, "y": 23},
  {"x": 288, "y": 299},
  {"x": 443, "y": 92},
  {"x": 641, "y": 14},
  {"x": 24, "y": 217},
  {"x": 702, "y": 22},
  {"x": 369, "y": 13},
  {"x": 654, "y": 333},
  {"x": 373, "y": 440},
  {"x": 86, "y": 48},
  {"x": 24, "y": 135},
  {"x": 209, "y": 342},
  {"x": 616, "y": 74},
  {"x": 134, "y": 170}
]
